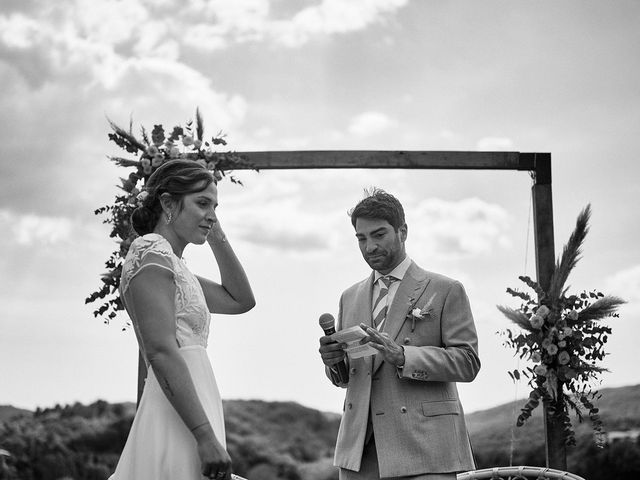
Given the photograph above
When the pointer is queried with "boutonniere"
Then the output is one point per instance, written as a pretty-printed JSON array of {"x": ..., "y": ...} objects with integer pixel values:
[{"x": 420, "y": 313}]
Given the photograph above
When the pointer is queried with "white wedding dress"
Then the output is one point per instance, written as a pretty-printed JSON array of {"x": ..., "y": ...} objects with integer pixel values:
[{"x": 160, "y": 446}]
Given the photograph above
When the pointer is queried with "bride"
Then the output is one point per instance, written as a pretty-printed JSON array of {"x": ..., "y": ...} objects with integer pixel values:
[{"x": 178, "y": 431}]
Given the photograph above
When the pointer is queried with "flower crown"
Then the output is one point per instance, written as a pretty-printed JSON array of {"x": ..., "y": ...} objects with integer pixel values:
[{"x": 187, "y": 143}]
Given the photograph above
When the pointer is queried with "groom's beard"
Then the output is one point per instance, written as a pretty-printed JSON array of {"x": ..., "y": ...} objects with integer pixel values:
[
  {"x": 379, "y": 261},
  {"x": 384, "y": 260}
]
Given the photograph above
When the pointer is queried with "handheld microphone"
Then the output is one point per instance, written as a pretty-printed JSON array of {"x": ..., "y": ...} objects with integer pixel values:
[{"x": 328, "y": 325}]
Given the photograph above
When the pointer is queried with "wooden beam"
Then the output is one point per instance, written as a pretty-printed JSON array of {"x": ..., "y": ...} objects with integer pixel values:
[
  {"x": 543, "y": 219},
  {"x": 555, "y": 449},
  {"x": 452, "y": 160}
]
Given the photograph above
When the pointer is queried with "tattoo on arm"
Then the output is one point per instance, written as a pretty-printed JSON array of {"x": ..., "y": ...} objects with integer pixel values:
[{"x": 167, "y": 387}]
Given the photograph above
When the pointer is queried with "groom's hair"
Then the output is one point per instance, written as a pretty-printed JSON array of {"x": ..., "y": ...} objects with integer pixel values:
[{"x": 378, "y": 204}]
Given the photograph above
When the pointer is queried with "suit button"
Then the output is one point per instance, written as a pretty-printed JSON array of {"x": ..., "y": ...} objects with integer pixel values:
[
  {"x": 353, "y": 370},
  {"x": 349, "y": 406},
  {"x": 406, "y": 341},
  {"x": 403, "y": 409}
]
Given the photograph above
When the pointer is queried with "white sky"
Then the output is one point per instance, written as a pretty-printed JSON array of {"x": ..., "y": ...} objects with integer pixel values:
[{"x": 545, "y": 76}]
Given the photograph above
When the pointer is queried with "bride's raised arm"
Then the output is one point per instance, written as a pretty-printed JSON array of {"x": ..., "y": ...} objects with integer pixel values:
[{"x": 234, "y": 294}]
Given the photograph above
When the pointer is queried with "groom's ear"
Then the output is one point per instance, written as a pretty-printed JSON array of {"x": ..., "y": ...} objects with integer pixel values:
[{"x": 403, "y": 231}]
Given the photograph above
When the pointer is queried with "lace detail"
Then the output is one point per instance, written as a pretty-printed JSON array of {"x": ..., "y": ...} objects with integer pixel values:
[{"x": 192, "y": 315}]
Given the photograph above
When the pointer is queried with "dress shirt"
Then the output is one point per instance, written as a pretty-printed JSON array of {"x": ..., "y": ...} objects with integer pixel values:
[{"x": 397, "y": 273}]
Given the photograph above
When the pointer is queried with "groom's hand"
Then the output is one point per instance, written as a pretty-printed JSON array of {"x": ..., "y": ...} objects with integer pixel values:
[
  {"x": 390, "y": 350},
  {"x": 331, "y": 351}
]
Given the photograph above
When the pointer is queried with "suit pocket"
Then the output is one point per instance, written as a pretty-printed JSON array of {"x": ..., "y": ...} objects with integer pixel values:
[{"x": 443, "y": 407}]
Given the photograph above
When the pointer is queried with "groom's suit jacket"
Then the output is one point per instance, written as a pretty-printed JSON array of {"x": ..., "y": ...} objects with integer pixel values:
[{"x": 417, "y": 418}]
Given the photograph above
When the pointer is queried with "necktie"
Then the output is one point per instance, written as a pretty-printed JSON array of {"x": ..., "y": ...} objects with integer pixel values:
[{"x": 380, "y": 306}]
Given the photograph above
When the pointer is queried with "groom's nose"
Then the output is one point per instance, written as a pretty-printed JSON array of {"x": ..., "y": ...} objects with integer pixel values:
[{"x": 371, "y": 246}]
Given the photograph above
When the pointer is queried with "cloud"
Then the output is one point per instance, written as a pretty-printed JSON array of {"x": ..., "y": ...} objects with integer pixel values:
[
  {"x": 469, "y": 227},
  {"x": 218, "y": 24},
  {"x": 492, "y": 144},
  {"x": 63, "y": 73},
  {"x": 31, "y": 229},
  {"x": 162, "y": 28},
  {"x": 332, "y": 17},
  {"x": 291, "y": 240},
  {"x": 370, "y": 123},
  {"x": 626, "y": 284},
  {"x": 284, "y": 221}
]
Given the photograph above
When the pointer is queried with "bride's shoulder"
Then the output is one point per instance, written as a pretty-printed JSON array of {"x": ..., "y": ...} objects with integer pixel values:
[
  {"x": 151, "y": 242},
  {"x": 145, "y": 251}
]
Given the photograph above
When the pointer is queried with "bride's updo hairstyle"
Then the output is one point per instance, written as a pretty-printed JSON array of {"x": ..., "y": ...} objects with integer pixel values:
[{"x": 177, "y": 178}]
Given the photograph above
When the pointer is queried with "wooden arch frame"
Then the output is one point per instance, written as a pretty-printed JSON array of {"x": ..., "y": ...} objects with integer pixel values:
[{"x": 537, "y": 164}]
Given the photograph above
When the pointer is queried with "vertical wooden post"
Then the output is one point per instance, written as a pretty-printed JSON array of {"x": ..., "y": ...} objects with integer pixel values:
[{"x": 556, "y": 454}]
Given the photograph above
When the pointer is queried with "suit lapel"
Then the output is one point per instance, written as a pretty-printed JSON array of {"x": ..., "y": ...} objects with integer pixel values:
[
  {"x": 413, "y": 284},
  {"x": 363, "y": 310}
]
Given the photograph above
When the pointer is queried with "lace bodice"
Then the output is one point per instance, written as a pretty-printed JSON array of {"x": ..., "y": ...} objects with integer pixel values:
[{"x": 192, "y": 315}]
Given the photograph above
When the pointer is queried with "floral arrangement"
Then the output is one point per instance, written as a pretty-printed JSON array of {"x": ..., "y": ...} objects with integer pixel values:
[
  {"x": 563, "y": 338},
  {"x": 186, "y": 142}
]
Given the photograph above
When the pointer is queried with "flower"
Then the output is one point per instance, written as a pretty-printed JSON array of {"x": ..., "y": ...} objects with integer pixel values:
[
  {"x": 536, "y": 357},
  {"x": 416, "y": 314},
  {"x": 543, "y": 311},
  {"x": 419, "y": 313},
  {"x": 540, "y": 369},
  {"x": 157, "y": 160},
  {"x": 536, "y": 321},
  {"x": 157, "y": 135},
  {"x": 563, "y": 357},
  {"x": 572, "y": 315},
  {"x": 142, "y": 196},
  {"x": 571, "y": 373},
  {"x": 552, "y": 349}
]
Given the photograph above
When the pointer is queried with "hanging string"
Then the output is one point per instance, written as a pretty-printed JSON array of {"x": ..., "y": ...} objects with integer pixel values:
[{"x": 517, "y": 382}]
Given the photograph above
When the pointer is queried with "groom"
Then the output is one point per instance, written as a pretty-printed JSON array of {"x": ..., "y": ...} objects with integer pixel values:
[{"x": 402, "y": 417}]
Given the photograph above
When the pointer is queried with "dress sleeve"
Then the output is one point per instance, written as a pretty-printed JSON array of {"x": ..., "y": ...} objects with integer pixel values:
[{"x": 144, "y": 254}]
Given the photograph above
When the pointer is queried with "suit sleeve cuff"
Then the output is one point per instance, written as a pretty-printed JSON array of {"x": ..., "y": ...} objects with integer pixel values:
[{"x": 412, "y": 368}]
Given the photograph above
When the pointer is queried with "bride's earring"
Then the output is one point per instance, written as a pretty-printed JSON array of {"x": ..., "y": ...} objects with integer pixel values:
[{"x": 169, "y": 217}]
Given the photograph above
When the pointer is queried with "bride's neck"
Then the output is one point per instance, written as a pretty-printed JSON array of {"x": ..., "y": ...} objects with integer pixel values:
[{"x": 177, "y": 244}]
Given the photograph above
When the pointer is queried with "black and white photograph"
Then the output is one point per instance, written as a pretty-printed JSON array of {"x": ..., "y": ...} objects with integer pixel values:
[{"x": 319, "y": 239}]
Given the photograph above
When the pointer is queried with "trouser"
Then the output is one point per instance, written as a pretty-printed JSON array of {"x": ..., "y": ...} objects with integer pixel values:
[{"x": 369, "y": 468}]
